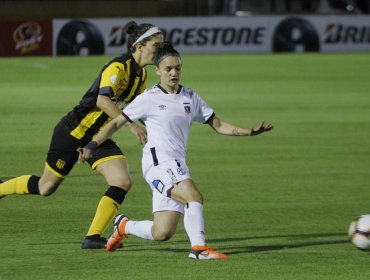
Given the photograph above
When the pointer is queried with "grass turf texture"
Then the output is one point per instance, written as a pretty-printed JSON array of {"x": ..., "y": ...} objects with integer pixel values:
[{"x": 279, "y": 204}]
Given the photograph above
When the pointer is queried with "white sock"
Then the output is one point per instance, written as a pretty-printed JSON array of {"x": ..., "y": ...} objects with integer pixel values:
[
  {"x": 194, "y": 223},
  {"x": 142, "y": 229}
]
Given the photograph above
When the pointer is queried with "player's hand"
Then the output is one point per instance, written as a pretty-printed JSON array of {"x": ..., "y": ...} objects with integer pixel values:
[
  {"x": 139, "y": 132},
  {"x": 83, "y": 154},
  {"x": 261, "y": 129}
]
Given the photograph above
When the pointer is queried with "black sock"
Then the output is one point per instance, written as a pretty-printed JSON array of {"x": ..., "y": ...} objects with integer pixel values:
[
  {"x": 33, "y": 185},
  {"x": 116, "y": 193}
]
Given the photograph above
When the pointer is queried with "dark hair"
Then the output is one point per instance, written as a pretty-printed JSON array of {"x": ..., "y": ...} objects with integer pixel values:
[
  {"x": 135, "y": 31},
  {"x": 164, "y": 50}
]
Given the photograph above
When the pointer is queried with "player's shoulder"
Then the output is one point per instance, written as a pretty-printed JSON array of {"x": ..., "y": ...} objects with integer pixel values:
[
  {"x": 115, "y": 63},
  {"x": 153, "y": 90},
  {"x": 188, "y": 92},
  {"x": 119, "y": 60}
]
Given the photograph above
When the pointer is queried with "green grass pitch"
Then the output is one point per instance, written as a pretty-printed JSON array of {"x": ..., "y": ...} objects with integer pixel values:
[{"x": 279, "y": 204}]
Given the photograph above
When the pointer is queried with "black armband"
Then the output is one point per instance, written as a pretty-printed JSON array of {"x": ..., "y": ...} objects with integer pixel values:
[{"x": 91, "y": 146}]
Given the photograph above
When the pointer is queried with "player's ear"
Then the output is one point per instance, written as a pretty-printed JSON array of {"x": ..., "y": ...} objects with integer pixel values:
[
  {"x": 139, "y": 47},
  {"x": 156, "y": 69}
]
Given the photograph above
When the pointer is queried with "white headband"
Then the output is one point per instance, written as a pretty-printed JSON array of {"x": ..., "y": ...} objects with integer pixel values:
[{"x": 151, "y": 31}]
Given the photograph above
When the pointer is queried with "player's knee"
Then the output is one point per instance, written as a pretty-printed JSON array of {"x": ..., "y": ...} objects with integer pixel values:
[
  {"x": 125, "y": 184},
  {"x": 162, "y": 234},
  {"x": 48, "y": 188},
  {"x": 200, "y": 199},
  {"x": 196, "y": 197}
]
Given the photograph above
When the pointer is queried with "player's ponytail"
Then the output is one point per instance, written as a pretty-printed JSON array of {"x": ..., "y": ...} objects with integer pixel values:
[{"x": 130, "y": 27}]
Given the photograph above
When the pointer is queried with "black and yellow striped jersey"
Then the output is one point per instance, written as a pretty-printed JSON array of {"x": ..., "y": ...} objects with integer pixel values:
[{"x": 121, "y": 80}]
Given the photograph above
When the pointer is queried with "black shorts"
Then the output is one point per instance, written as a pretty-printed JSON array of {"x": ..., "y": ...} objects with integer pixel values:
[{"x": 63, "y": 155}]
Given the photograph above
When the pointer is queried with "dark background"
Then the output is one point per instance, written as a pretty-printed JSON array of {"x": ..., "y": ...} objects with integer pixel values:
[{"x": 49, "y": 9}]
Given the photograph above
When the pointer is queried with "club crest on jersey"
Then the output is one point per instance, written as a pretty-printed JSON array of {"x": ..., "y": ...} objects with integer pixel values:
[
  {"x": 60, "y": 164},
  {"x": 162, "y": 107},
  {"x": 187, "y": 109}
]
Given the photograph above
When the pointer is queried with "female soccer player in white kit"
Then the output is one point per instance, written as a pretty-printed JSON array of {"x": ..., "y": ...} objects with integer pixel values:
[{"x": 168, "y": 110}]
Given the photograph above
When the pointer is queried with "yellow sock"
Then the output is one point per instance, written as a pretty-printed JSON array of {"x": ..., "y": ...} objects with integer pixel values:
[
  {"x": 104, "y": 214},
  {"x": 17, "y": 185}
]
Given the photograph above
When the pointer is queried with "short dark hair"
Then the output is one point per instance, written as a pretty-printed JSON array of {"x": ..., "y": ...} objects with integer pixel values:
[
  {"x": 134, "y": 31},
  {"x": 164, "y": 50}
]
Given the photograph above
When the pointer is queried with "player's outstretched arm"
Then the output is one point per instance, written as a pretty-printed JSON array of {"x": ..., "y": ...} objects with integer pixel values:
[
  {"x": 104, "y": 134},
  {"x": 225, "y": 128}
]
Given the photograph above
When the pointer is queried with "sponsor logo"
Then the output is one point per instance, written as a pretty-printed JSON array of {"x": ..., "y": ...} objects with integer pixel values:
[
  {"x": 295, "y": 35},
  {"x": 113, "y": 79},
  {"x": 79, "y": 37},
  {"x": 162, "y": 107},
  {"x": 172, "y": 175},
  {"x": 216, "y": 35},
  {"x": 117, "y": 37},
  {"x": 200, "y": 36},
  {"x": 339, "y": 33},
  {"x": 27, "y": 37}
]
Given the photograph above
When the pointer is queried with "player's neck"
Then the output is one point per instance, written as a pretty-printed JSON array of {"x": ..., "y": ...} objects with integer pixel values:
[{"x": 169, "y": 89}]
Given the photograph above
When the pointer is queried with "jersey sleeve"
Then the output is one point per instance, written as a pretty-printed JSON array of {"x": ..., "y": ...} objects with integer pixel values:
[
  {"x": 203, "y": 112},
  {"x": 113, "y": 78},
  {"x": 138, "y": 108}
]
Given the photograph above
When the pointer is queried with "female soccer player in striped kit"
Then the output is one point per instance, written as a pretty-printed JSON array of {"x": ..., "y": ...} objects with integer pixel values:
[
  {"x": 119, "y": 82},
  {"x": 168, "y": 110}
]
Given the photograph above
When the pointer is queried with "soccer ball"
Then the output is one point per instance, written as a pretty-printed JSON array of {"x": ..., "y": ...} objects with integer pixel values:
[{"x": 359, "y": 232}]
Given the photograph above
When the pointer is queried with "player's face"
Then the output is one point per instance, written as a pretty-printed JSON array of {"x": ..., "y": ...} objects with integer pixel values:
[
  {"x": 149, "y": 49},
  {"x": 169, "y": 70}
]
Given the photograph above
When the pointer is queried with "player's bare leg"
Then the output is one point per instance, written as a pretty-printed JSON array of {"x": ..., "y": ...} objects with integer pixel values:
[
  {"x": 49, "y": 182},
  {"x": 31, "y": 184},
  {"x": 165, "y": 224}
]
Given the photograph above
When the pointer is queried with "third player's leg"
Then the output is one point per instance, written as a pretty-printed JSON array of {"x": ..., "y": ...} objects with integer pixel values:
[{"x": 116, "y": 173}]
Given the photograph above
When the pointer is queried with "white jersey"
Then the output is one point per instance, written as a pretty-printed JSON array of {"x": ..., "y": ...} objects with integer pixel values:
[{"x": 167, "y": 118}]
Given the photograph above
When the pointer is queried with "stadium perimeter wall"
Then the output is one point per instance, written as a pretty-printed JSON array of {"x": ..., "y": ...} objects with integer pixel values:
[{"x": 252, "y": 34}]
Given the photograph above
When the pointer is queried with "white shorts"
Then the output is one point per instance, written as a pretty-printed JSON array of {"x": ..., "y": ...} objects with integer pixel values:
[{"x": 161, "y": 179}]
